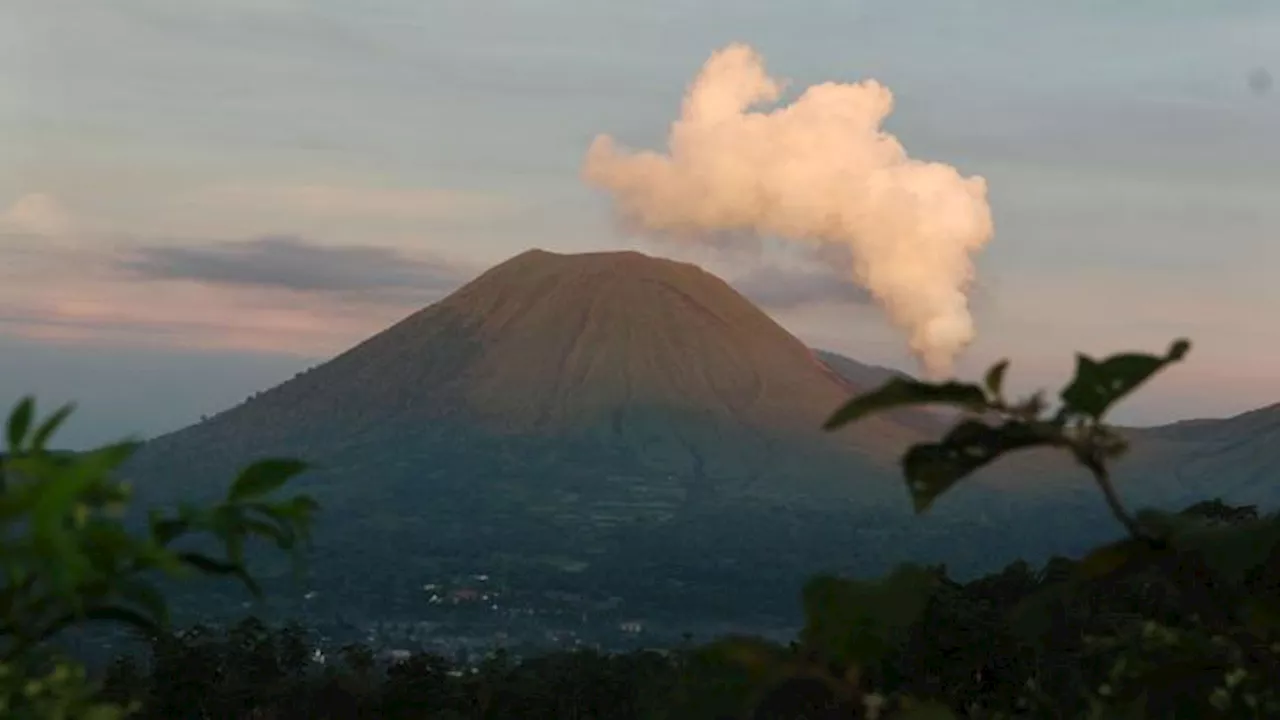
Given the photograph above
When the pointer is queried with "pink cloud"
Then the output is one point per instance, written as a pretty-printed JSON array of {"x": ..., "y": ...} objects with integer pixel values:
[
  {"x": 189, "y": 316},
  {"x": 64, "y": 295}
]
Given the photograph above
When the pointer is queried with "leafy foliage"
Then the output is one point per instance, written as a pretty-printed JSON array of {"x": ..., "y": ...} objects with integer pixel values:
[
  {"x": 68, "y": 558},
  {"x": 1224, "y": 569},
  {"x": 903, "y": 392},
  {"x": 1099, "y": 385},
  {"x": 1002, "y": 427}
]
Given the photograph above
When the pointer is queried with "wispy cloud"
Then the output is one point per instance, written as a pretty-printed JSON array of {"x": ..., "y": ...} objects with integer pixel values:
[
  {"x": 291, "y": 263},
  {"x": 191, "y": 317}
]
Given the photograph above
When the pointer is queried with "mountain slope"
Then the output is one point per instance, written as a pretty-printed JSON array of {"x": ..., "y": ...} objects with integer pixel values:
[
  {"x": 1236, "y": 458},
  {"x": 856, "y": 373},
  {"x": 650, "y": 357}
]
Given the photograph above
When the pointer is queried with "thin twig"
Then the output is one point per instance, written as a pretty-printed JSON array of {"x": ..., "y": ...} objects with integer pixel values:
[{"x": 1103, "y": 478}]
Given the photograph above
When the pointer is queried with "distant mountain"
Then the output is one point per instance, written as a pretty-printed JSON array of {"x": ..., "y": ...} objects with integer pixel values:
[
  {"x": 862, "y": 377},
  {"x": 1237, "y": 458},
  {"x": 610, "y": 424},
  {"x": 1170, "y": 466},
  {"x": 856, "y": 373}
]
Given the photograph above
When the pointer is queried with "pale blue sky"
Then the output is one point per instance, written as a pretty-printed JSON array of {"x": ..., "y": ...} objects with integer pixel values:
[{"x": 1131, "y": 174}]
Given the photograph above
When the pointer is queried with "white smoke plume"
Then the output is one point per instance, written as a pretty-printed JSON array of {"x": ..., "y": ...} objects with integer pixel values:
[{"x": 819, "y": 170}]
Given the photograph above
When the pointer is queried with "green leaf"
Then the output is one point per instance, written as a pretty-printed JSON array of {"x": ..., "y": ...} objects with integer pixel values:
[
  {"x": 109, "y": 613},
  {"x": 50, "y": 426},
  {"x": 901, "y": 392},
  {"x": 66, "y": 486},
  {"x": 57, "y": 496},
  {"x": 858, "y": 623},
  {"x": 123, "y": 616},
  {"x": 995, "y": 378},
  {"x": 108, "y": 544},
  {"x": 100, "y": 462},
  {"x": 16, "y": 502},
  {"x": 1099, "y": 385},
  {"x": 263, "y": 477},
  {"x": 933, "y": 468},
  {"x": 19, "y": 423},
  {"x": 210, "y": 566},
  {"x": 280, "y": 533},
  {"x": 144, "y": 596},
  {"x": 303, "y": 505},
  {"x": 165, "y": 530},
  {"x": 292, "y": 517}
]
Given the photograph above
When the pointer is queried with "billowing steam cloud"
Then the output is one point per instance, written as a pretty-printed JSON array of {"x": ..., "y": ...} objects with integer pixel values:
[{"x": 819, "y": 170}]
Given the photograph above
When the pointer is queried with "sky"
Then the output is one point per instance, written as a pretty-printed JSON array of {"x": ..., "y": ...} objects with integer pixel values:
[{"x": 200, "y": 199}]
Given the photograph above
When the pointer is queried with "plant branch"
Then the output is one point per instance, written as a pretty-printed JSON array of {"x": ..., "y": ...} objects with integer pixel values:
[{"x": 1103, "y": 478}]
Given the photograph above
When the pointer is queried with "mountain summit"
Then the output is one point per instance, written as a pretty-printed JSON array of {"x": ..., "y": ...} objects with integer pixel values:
[
  {"x": 570, "y": 339},
  {"x": 631, "y": 352}
]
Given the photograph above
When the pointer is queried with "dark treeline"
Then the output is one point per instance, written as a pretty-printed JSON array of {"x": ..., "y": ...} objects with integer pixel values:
[{"x": 1022, "y": 642}]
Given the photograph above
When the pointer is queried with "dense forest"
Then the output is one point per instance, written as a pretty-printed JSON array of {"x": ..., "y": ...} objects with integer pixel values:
[
  {"x": 1017, "y": 643},
  {"x": 1178, "y": 618}
]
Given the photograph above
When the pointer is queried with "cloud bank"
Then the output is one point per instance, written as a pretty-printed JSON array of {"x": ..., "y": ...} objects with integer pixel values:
[
  {"x": 273, "y": 295},
  {"x": 291, "y": 263}
]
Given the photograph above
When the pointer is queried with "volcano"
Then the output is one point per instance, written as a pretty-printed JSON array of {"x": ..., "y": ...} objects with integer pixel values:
[
  {"x": 628, "y": 354},
  {"x": 606, "y": 424}
]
